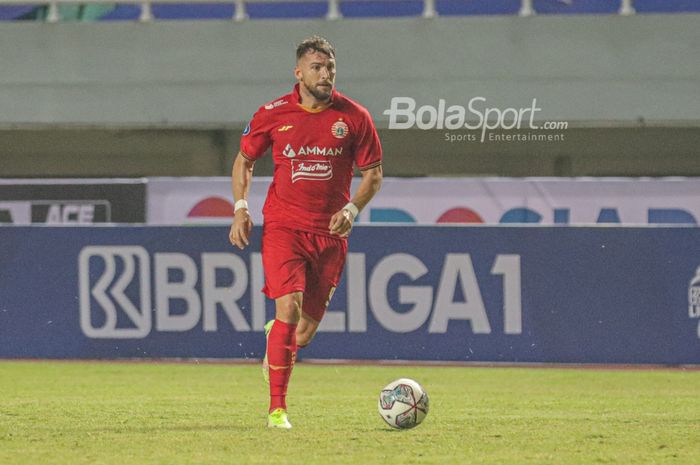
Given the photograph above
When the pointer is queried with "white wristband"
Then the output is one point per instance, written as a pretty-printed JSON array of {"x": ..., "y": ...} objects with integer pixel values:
[
  {"x": 242, "y": 203},
  {"x": 352, "y": 208}
]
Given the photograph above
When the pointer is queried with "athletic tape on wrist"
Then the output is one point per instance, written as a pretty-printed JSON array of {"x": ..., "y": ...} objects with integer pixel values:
[
  {"x": 242, "y": 203},
  {"x": 352, "y": 208}
]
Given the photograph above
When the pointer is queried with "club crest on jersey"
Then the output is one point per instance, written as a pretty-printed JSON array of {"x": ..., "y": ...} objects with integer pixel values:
[
  {"x": 311, "y": 170},
  {"x": 246, "y": 131},
  {"x": 340, "y": 129}
]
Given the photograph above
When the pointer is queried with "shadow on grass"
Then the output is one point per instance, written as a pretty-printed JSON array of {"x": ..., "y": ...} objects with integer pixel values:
[{"x": 392, "y": 430}]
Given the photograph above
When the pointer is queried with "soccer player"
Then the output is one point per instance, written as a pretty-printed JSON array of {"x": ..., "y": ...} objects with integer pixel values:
[{"x": 317, "y": 136}]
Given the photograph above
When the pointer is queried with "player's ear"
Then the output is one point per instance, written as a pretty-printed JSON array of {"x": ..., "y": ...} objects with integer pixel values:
[{"x": 297, "y": 72}]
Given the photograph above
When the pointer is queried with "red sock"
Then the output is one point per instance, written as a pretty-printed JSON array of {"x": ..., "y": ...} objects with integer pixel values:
[{"x": 281, "y": 353}]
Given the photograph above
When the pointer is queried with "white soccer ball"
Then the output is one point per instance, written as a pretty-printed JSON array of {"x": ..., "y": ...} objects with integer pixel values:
[{"x": 403, "y": 404}]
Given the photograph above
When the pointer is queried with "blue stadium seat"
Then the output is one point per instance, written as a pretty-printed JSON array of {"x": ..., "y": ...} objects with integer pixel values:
[
  {"x": 364, "y": 9},
  {"x": 373, "y": 8},
  {"x": 667, "y": 6},
  {"x": 122, "y": 13},
  {"x": 10, "y": 12},
  {"x": 287, "y": 10},
  {"x": 477, "y": 7},
  {"x": 193, "y": 11},
  {"x": 221, "y": 11},
  {"x": 563, "y": 7},
  {"x": 184, "y": 11}
]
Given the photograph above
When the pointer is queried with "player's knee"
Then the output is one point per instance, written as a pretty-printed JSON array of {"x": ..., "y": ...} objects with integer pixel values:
[{"x": 289, "y": 310}]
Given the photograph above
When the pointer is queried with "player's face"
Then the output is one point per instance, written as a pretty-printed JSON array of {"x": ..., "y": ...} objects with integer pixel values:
[{"x": 315, "y": 71}]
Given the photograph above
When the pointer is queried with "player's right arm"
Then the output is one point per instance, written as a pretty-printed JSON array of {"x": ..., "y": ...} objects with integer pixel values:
[
  {"x": 241, "y": 176},
  {"x": 254, "y": 142}
]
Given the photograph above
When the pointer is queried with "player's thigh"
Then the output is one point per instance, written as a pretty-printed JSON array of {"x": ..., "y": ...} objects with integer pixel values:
[
  {"x": 285, "y": 262},
  {"x": 323, "y": 275}
]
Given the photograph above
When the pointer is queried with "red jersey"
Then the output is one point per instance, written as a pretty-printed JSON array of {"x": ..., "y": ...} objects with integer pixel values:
[{"x": 313, "y": 154}]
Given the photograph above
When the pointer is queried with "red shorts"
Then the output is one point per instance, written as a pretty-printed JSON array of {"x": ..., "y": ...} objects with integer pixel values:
[{"x": 300, "y": 261}]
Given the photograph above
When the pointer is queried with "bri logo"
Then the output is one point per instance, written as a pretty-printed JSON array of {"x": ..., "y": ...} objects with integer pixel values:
[
  {"x": 126, "y": 292},
  {"x": 118, "y": 266},
  {"x": 694, "y": 298}
]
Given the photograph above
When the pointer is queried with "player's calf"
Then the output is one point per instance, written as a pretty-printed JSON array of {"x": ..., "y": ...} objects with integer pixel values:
[
  {"x": 306, "y": 330},
  {"x": 281, "y": 353}
]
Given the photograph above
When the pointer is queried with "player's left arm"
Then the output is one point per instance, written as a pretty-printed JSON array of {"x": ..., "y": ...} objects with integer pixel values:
[{"x": 341, "y": 222}]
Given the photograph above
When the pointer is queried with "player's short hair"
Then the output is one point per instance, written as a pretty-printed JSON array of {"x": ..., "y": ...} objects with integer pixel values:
[{"x": 315, "y": 44}]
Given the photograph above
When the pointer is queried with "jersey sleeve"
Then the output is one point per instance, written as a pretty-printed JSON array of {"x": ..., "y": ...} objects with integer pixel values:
[
  {"x": 367, "y": 148},
  {"x": 256, "y": 137}
]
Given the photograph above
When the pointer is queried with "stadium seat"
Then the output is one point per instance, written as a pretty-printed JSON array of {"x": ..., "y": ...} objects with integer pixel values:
[
  {"x": 254, "y": 10},
  {"x": 564, "y": 7},
  {"x": 287, "y": 10},
  {"x": 183, "y": 11},
  {"x": 13, "y": 12},
  {"x": 396, "y": 8},
  {"x": 477, "y": 7},
  {"x": 193, "y": 11},
  {"x": 348, "y": 8},
  {"x": 667, "y": 6},
  {"x": 76, "y": 12},
  {"x": 122, "y": 13}
]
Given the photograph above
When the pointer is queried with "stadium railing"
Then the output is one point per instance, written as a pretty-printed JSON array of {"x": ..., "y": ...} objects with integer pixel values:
[{"x": 626, "y": 7}]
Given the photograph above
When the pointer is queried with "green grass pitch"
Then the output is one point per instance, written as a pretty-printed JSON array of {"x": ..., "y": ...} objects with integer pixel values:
[{"x": 140, "y": 413}]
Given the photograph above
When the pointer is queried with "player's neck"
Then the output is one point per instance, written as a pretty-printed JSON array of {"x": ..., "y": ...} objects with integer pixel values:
[{"x": 307, "y": 100}]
